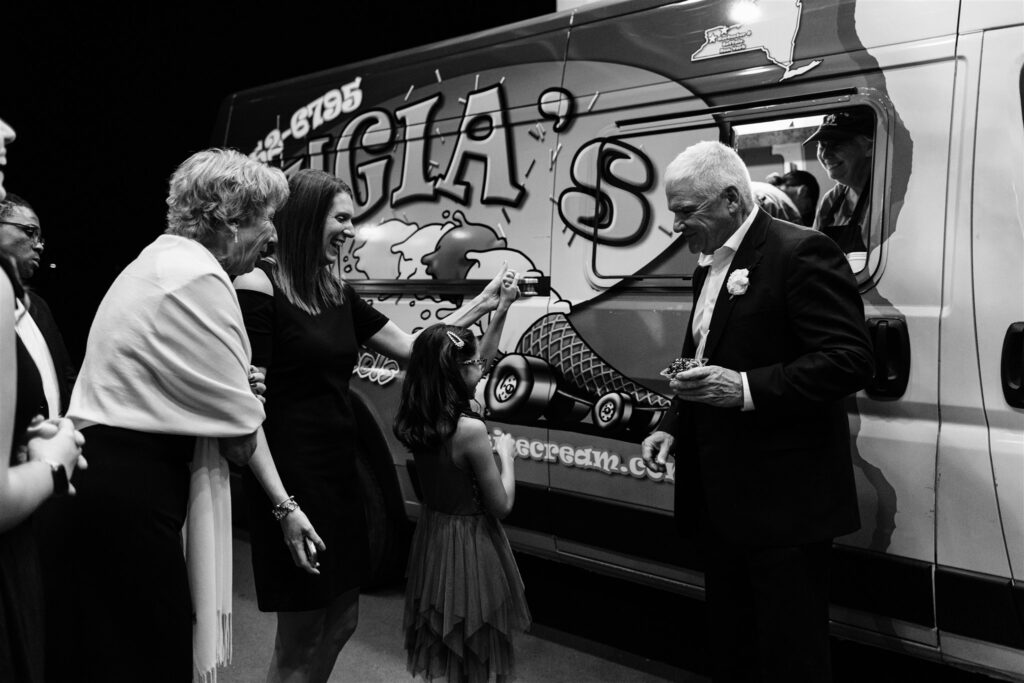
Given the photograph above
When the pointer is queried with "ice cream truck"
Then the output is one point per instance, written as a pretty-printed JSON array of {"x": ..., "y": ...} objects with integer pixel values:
[{"x": 543, "y": 145}]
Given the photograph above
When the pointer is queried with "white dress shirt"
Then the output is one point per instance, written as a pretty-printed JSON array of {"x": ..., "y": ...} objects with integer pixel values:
[
  {"x": 35, "y": 344},
  {"x": 719, "y": 263}
]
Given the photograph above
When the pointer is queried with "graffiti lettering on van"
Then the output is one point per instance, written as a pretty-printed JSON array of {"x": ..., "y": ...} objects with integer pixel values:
[
  {"x": 483, "y": 136},
  {"x": 306, "y": 119},
  {"x": 375, "y": 368},
  {"x": 622, "y": 213},
  {"x": 591, "y": 459}
]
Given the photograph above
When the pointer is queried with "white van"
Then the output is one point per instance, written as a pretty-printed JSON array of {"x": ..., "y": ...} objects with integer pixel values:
[{"x": 543, "y": 143}]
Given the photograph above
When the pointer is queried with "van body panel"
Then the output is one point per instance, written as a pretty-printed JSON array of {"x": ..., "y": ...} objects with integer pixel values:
[
  {"x": 998, "y": 256},
  {"x": 978, "y": 15},
  {"x": 543, "y": 146},
  {"x": 968, "y": 531}
]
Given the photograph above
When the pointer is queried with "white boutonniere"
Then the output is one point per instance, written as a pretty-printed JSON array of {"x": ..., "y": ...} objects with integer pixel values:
[{"x": 738, "y": 282}]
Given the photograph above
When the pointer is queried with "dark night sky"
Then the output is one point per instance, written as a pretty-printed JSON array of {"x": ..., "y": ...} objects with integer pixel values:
[{"x": 107, "y": 102}]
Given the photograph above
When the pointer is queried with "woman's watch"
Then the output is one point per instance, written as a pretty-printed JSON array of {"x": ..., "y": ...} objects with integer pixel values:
[{"x": 60, "y": 478}]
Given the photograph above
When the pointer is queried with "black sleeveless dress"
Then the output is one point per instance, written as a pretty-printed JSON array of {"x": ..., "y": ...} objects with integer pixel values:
[
  {"x": 311, "y": 431},
  {"x": 464, "y": 597},
  {"x": 21, "y": 586}
]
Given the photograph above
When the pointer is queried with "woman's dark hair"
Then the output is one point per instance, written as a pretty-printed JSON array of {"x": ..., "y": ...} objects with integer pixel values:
[
  {"x": 434, "y": 393},
  {"x": 300, "y": 232}
]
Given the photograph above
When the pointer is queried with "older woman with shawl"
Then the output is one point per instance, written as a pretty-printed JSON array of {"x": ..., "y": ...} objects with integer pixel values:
[{"x": 164, "y": 393}]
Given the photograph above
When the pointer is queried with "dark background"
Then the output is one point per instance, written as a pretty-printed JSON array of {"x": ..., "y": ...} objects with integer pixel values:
[{"x": 107, "y": 102}]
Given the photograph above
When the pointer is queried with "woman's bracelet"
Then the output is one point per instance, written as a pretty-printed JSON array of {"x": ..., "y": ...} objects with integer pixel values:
[{"x": 284, "y": 508}]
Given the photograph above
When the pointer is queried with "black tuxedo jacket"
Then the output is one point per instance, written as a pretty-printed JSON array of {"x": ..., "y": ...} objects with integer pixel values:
[{"x": 780, "y": 474}]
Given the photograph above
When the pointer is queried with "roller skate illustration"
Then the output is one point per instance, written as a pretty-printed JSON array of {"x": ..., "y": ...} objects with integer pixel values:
[{"x": 555, "y": 377}]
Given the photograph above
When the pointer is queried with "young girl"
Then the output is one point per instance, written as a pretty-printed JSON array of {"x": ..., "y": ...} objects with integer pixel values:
[{"x": 464, "y": 596}]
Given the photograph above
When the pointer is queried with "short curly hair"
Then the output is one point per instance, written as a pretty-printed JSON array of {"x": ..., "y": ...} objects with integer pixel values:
[
  {"x": 217, "y": 188},
  {"x": 12, "y": 202}
]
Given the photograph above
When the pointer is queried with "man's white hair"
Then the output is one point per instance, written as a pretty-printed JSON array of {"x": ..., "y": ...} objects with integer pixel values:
[{"x": 710, "y": 167}]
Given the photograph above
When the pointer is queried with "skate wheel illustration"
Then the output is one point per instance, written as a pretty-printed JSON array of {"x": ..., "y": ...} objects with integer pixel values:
[
  {"x": 564, "y": 407},
  {"x": 613, "y": 411},
  {"x": 646, "y": 420},
  {"x": 519, "y": 388}
]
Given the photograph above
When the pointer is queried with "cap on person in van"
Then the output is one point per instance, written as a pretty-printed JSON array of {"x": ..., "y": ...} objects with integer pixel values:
[{"x": 843, "y": 125}]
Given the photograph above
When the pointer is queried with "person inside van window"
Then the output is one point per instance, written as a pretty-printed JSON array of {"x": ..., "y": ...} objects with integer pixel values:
[
  {"x": 845, "y": 144},
  {"x": 802, "y": 187},
  {"x": 775, "y": 202}
]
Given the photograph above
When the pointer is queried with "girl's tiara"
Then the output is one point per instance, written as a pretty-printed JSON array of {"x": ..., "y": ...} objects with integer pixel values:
[{"x": 455, "y": 339}]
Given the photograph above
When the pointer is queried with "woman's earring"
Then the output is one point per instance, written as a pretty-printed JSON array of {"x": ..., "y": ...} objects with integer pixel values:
[{"x": 234, "y": 234}]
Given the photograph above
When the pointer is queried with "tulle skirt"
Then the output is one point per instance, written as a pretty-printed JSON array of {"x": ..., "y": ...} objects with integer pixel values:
[{"x": 464, "y": 599}]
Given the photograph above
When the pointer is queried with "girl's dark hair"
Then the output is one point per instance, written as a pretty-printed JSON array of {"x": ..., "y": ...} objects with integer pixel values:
[
  {"x": 434, "y": 393},
  {"x": 300, "y": 222}
]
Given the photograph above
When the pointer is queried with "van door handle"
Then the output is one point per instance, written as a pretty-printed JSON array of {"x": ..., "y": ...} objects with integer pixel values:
[
  {"x": 1011, "y": 368},
  {"x": 890, "y": 340}
]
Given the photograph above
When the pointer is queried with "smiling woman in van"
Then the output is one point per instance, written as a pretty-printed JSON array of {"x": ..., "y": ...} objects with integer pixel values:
[{"x": 306, "y": 326}]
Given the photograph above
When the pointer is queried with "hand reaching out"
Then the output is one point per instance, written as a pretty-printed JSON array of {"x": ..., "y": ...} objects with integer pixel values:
[
  {"x": 509, "y": 289},
  {"x": 495, "y": 291}
]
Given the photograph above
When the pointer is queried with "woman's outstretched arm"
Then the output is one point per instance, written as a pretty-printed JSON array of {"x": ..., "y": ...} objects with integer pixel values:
[{"x": 394, "y": 342}]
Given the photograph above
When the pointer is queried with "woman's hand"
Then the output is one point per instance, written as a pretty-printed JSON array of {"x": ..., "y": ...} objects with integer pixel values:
[
  {"x": 56, "y": 442},
  {"x": 256, "y": 382},
  {"x": 302, "y": 540}
]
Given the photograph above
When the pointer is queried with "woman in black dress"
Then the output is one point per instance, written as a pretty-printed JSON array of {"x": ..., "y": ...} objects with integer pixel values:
[{"x": 306, "y": 326}]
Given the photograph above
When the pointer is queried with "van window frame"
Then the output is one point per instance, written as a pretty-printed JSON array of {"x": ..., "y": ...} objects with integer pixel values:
[{"x": 729, "y": 116}]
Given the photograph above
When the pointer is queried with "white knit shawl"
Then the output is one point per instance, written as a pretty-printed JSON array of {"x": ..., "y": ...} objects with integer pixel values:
[{"x": 168, "y": 354}]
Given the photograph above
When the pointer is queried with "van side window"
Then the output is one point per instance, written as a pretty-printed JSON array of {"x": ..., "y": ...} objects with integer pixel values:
[{"x": 825, "y": 166}]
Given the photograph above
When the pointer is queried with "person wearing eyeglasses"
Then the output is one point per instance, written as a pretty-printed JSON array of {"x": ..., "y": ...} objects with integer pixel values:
[
  {"x": 21, "y": 236},
  {"x": 306, "y": 327},
  {"x": 37, "y": 459}
]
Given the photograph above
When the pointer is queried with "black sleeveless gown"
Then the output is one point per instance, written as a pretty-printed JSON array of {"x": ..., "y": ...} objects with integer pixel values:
[{"x": 311, "y": 431}]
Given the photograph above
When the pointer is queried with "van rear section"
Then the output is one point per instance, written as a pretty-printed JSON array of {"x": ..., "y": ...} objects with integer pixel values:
[{"x": 543, "y": 144}]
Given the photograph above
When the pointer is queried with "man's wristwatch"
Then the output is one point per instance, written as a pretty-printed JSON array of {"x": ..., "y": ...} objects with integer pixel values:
[{"x": 60, "y": 479}]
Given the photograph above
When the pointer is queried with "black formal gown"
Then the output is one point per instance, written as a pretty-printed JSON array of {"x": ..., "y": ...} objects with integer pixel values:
[
  {"x": 311, "y": 431},
  {"x": 21, "y": 586}
]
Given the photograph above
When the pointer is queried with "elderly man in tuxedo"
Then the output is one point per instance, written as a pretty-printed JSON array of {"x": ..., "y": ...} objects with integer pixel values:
[{"x": 764, "y": 479}]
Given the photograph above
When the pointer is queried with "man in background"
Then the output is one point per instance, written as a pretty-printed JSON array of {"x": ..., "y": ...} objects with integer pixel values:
[
  {"x": 803, "y": 189},
  {"x": 845, "y": 147}
]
